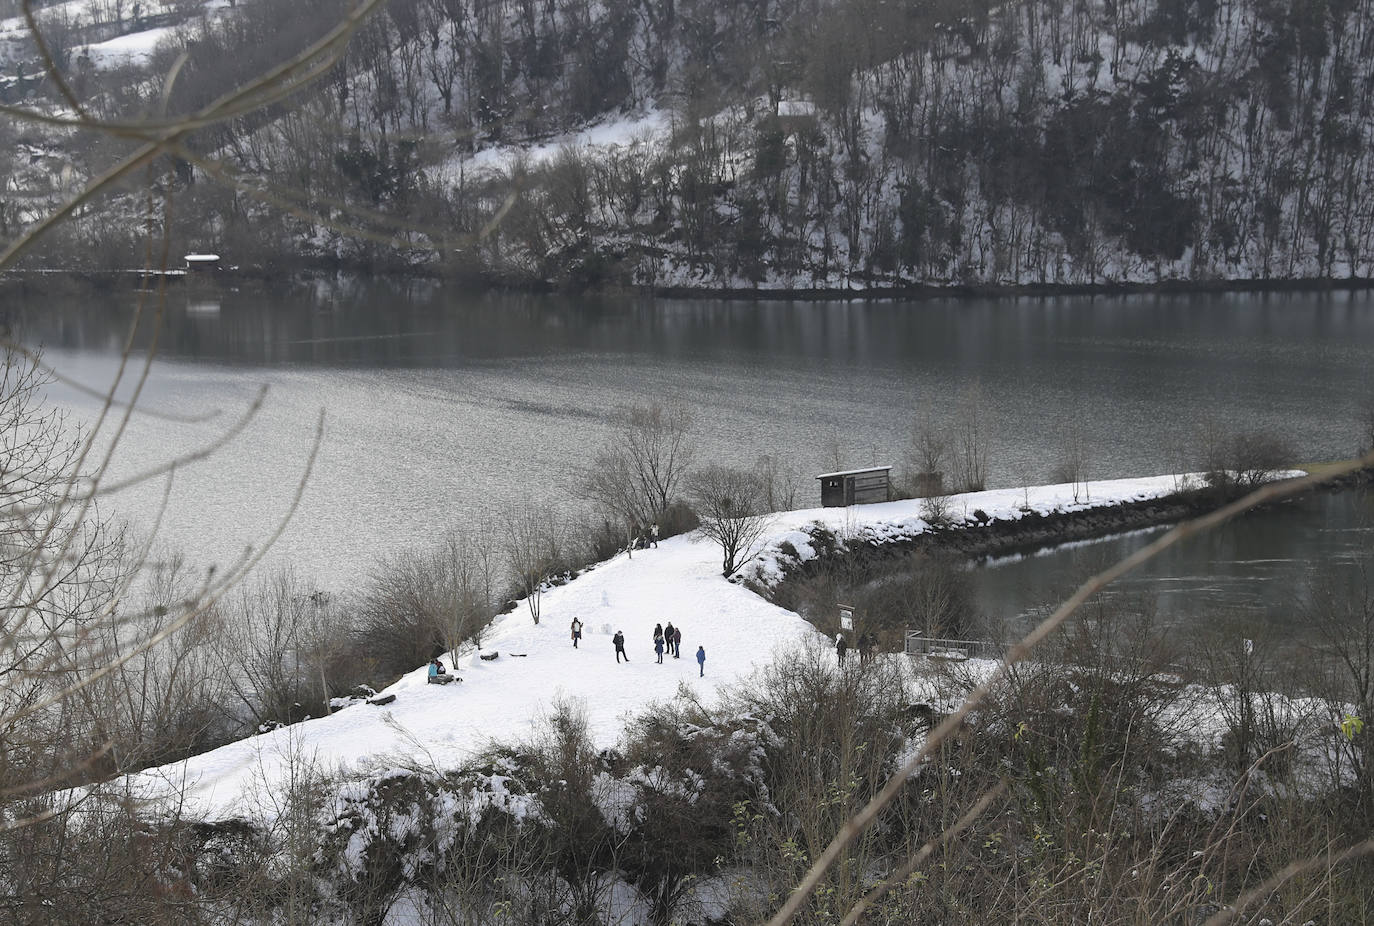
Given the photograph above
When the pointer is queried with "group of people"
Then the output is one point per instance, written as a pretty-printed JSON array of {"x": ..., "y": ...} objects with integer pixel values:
[
  {"x": 669, "y": 639},
  {"x": 641, "y": 538},
  {"x": 666, "y": 640},
  {"x": 438, "y": 675},
  {"x": 867, "y": 644}
]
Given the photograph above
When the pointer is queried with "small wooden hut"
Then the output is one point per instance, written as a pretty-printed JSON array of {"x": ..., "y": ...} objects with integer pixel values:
[{"x": 856, "y": 486}]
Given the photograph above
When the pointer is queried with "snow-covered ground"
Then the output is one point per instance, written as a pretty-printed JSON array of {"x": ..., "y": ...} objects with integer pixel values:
[
  {"x": 644, "y": 128},
  {"x": 679, "y": 583},
  {"x": 134, "y": 48}
]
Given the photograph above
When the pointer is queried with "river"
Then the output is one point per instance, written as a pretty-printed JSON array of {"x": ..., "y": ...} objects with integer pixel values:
[{"x": 444, "y": 407}]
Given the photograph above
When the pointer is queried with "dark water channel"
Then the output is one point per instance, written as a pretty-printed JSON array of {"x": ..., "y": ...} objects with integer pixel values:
[
  {"x": 1265, "y": 571},
  {"x": 443, "y": 407}
]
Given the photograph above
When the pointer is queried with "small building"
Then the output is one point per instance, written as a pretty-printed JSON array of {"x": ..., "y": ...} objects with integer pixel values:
[
  {"x": 856, "y": 486},
  {"x": 196, "y": 263},
  {"x": 796, "y": 115}
]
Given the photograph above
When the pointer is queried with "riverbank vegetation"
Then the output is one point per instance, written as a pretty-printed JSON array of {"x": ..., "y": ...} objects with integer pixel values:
[{"x": 1093, "y": 785}]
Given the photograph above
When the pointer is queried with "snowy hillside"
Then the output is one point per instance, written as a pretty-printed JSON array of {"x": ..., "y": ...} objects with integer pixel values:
[
  {"x": 846, "y": 145},
  {"x": 501, "y": 700}
]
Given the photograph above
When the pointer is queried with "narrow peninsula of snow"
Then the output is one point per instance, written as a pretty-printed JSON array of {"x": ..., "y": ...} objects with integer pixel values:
[{"x": 679, "y": 582}]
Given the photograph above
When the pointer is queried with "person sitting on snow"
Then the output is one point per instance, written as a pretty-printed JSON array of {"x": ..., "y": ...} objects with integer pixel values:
[{"x": 438, "y": 675}]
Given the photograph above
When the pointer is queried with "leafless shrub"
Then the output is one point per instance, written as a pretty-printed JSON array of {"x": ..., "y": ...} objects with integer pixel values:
[
  {"x": 1073, "y": 461},
  {"x": 533, "y": 544},
  {"x": 836, "y": 732},
  {"x": 778, "y": 483},
  {"x": 268, "y": 636},
  {"x": 925, "y": 457},
  {"x": 637, "y": 474},
  {"x": 936, "y": 510},
  {"x": 420, "y": 602},
  {"x": 1242, "y": 459},
  {"x": 970, "y": 453},
  {"x": 1344, "y": 623},
  {"x": 732, "y": 509}
]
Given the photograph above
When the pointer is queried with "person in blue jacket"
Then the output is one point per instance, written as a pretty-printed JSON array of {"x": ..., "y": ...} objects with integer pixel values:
[
  {"x": 438, "y": 675},
  {"x": 658, "y": 648},
  {"x": 701, "y": 660}
]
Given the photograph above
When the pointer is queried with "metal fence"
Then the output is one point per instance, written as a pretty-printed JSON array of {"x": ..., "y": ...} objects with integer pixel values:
[{"x": 918, "y": 644}]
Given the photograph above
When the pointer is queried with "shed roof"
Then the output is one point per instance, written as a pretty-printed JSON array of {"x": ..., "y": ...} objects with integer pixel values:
[
  {"x": 856, "y": 472},
  {"x": 796, "y": 108},
  {"x": 198, "y": 258}
]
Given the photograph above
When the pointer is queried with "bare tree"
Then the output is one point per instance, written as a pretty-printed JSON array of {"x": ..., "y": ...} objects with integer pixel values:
[
  {"x": 639, "y": 471},
  {"x": 266, "y": 648},
  {"x": 59, "y": 571},
  {"x": 532, "y": 544},
  {"x": 778, "y": 483},
  {"x": 419, "y": 602},
  {"x": 926, "y": 454},
  {"x": 731, "y": 505},
  {"x": 970, "y": 445},
  {"x": 1073, "y": 461}
]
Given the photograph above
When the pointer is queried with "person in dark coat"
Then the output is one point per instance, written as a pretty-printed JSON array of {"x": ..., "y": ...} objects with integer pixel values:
[
  {"x": 658, "y": 635},
  {"x": 841, "y": 647},
  {"x": 653, "y": 535},
  {"x": 619, "y": 641},
  {"x": 668, "y": 639},
  {"x": 677, "y": 642},
  {"x": 658, "y": 650},
  {"x": 701, "y": 660}
]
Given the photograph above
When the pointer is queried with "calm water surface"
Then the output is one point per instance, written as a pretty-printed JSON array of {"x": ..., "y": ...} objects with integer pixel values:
[
  {"x": 442, "y": 408},
  {"x": 1260, "y": 571}
]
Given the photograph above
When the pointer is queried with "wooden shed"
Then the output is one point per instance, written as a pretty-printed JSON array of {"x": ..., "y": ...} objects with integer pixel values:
[{"x": 856, "y": 486}]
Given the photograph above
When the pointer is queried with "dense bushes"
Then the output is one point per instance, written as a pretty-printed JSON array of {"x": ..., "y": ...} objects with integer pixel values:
[{"x": 1110, "y": 802}]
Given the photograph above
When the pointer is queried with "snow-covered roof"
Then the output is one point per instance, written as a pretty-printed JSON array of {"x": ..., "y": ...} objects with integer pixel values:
[
  {"x": 855, "y": 472},
  {"x": 796, "y": 108},
  {"x": 201, "y": 258}
]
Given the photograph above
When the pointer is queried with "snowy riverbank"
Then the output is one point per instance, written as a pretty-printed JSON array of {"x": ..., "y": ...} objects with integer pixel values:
[{"x": 502, "y": 700}]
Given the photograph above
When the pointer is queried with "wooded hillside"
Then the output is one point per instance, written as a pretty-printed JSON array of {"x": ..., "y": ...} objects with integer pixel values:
[{"x": 797, "y": 145}]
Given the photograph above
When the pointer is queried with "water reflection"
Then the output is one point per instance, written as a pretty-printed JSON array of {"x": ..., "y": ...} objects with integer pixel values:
[
  {"x": 1264, "y": 567},
  {"x": 444, "y": 405}
]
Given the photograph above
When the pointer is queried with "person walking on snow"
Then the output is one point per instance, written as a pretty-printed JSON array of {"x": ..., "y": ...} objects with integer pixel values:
[
  {"x": 658, "y": 649},
  {"x": 668, "y": 639},
  {"x": 701, "y": 660},
  {"x": 841, "y": 647},
  {"x": 677, "y": 642},
  {"x": 619, "y": 641},
  {"x": 576, "y": 631},
  {"x": 658, "y": 634},
  {"x": 653, "y": 535}
]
